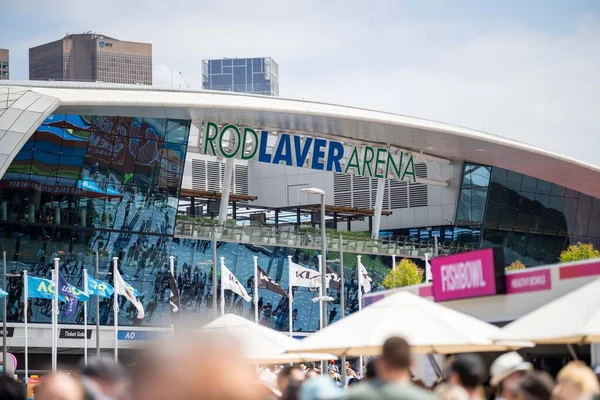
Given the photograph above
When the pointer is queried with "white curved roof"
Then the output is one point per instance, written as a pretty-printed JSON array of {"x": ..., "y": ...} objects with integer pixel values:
[{"x": 278, "y": 114}]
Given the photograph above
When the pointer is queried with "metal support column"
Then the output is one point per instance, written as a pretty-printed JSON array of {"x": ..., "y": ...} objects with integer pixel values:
[
  {"x": 226, "y": 190},
  {"x": 378, "y": 208},
  {"x": 214, "y": 276}
]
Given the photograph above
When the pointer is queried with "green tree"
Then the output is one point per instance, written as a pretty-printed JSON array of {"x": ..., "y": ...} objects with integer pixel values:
[
  {"x": 579, "y": 251},
  {"x": 405, "y": 273},
  {"x": 515, "y": 265}
]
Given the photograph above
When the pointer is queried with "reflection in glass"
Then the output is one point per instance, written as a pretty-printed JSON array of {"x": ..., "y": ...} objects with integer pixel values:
[{"x": 533, "y": 220}]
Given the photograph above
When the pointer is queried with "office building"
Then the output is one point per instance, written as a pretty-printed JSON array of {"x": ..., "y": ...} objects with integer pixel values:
[
  {"x": 4, "y": 64},
  {"x": 247, "y": 75},
  {"x": 92, "y": 57}
]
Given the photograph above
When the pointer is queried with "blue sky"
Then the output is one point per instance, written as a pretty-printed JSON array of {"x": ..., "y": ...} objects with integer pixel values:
[{"x": 527, "y": 70}]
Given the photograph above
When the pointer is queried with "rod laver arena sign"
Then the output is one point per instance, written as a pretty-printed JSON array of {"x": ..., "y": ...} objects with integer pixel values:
[{"x": 307, "y": 152}]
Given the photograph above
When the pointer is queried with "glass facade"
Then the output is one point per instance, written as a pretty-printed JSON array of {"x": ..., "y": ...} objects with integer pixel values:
[
  {"x": 531, "y": 219},
  {"x": 87, "y": 184},
  {"x": 246, "y": 75}
]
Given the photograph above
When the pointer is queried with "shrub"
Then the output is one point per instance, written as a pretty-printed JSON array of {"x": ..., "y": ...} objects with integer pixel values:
[
  {"x": 579, "y": 251},
  {"x": 405, "y": 273},
  {"x": 515, "y": 265}
]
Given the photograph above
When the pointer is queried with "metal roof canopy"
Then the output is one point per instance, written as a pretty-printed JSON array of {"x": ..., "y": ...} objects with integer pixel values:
[
  {"x": 214, "y": 195},
  {"x": 305, "y": 209},
  {"x": 431, "y": 139}
]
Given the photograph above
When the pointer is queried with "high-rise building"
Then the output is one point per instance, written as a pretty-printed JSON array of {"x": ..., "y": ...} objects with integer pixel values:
[
  {"x": 4, "y": 64},
  {"x": 92, "y": 57},
  {"x": 248, "y": 75}
]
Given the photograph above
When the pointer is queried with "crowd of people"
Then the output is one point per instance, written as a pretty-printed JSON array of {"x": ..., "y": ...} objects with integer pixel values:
[{"x": 215, "y": 369}]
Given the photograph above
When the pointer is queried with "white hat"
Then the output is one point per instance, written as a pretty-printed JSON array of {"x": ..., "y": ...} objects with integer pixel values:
[{"x": 506, "y": 365}]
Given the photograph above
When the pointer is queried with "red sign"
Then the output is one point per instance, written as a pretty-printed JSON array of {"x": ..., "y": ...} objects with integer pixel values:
[
  {"x": 579, "y": 270},
  {"x": 531, "y": 281},
  {"x": 472, "y": 274}
]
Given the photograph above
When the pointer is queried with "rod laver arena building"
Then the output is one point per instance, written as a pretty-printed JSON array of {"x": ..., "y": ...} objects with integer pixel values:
[{"x": 140, "y": 174}]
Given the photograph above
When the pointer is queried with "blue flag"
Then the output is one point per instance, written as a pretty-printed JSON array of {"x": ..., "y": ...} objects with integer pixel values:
[
  {"x": 40, "y": 288},
  {"x": 3, "y": 293},
  {"x": 66, "y": 290},
  {"x": 99, "y": 288}
]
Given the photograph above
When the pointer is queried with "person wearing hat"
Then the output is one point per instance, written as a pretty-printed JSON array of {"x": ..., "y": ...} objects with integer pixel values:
[
  {"x": 536, "y": 385},
  {"x": 506, "y": 369}
]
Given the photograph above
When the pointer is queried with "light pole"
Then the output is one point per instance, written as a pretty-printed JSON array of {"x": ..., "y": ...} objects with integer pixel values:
[
  {"x": 321, "y": 193},
  {"x": 4, "y": 335}
]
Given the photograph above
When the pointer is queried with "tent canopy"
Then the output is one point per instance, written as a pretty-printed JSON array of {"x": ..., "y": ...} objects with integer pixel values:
[
  {"x": 261, "y": 345},
  {"x": 571, "y": 319},
  {"x": 427, "y": 326}
]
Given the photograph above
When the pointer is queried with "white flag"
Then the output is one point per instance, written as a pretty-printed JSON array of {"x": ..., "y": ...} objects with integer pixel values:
[
  {"x": 304, "y": 277},
  {"x": 230, "y": 282},
  {"x": 366, "y": 279},
  {"x": 428, "y": 277},
  {"x": 125, "y": 290}
]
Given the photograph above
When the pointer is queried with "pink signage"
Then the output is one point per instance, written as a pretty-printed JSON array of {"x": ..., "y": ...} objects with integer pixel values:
[
  {"x": 531, "y": 281},
  {"x": 472, "y": 274}
]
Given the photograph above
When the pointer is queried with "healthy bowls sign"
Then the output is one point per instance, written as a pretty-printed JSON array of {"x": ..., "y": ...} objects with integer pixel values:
[{"x": 230, "y": 141}]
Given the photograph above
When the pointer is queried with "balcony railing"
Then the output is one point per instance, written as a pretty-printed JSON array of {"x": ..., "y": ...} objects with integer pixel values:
[{"x": 270, "y": 235}]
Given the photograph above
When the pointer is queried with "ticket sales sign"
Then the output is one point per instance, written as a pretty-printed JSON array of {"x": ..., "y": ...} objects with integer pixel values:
[
  {"x": 291, "y": 150},
  {"x": 471, "y": 274}
]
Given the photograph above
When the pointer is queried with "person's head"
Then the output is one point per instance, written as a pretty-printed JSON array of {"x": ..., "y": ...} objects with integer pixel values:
[
  {"x": 506, "y": 369},
  {"x": 574, "y": 381},
  {"x": 207, "y": 366},
  {"x": 371, "y": 370},
  {"x": 59, "y": 387},
  {"x": 445, "y": 391},
  {"x": 312, "y": 373},
  {"x": 535, "y": 385},
  {"x": 468, "y": 371},
  {"x": 286, "y": 375},
  {"x": 395, "y": 360},
  {"x": 105, "y": 375},
  {"x": 352, "y": 381},
  {"x": 11, "y": 389}
]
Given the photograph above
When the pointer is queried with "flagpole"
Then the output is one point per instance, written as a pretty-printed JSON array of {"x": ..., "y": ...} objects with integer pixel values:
[
  {"x": 116, "y": 306},
  {"x": 85, "y": 290},
  {"x": 55, "y": 310},
  {"x": 255, "y": 289},
  {"x": 222, "y": 287},
  {"x": 97, "y": 311},
  {"x": 25, "y": 310},
  {"x": 321, "y": 294},
  {"x": 172, "y": 270},
  {"x": 290, "y": 298},
  {"x": 360, "y": 299}
]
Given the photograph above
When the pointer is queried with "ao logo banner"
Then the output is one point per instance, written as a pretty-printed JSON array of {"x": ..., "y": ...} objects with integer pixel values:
[{"x": 307, "y": 152}]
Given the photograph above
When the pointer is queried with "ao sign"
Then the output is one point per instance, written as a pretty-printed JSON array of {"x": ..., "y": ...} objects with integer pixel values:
[{"x": 307, "y": 152}]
